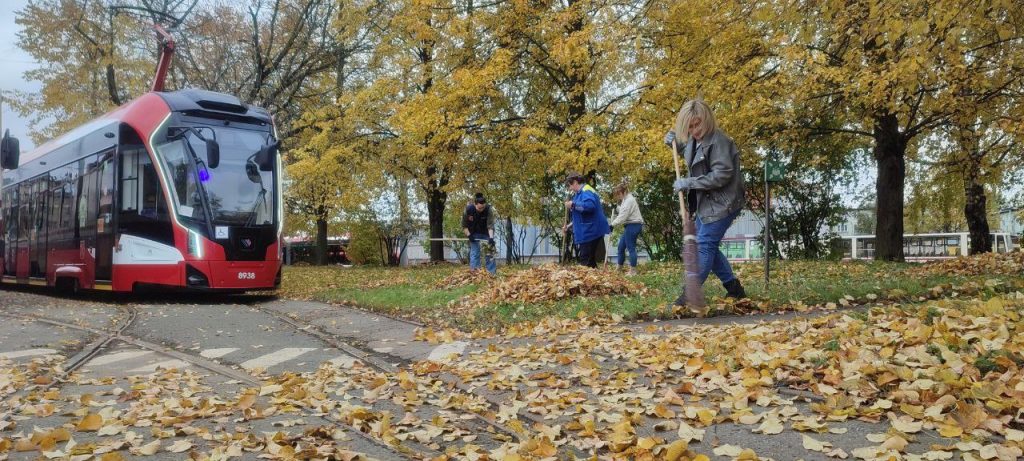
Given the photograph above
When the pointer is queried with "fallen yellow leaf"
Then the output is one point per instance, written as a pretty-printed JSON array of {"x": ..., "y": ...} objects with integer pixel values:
[{"x": 91, "y": 422}]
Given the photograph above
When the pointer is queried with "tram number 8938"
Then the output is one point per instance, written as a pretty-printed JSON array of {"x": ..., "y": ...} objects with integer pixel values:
[{"x": 246, "y": 276}]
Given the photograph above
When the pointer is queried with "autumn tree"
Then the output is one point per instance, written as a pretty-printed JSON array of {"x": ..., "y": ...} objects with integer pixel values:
[
  {"x": 576, "y": 75},
  {"x": 984, "y": 129},
  {"x": 434, "y": 97},
  {"x": 99, "y": 54},
  {"x": 90, "y": 60},
  {"x": 722, "y": 52},
  {"x": 886, "y": 69},
  {"x": 328, "y": 176}
]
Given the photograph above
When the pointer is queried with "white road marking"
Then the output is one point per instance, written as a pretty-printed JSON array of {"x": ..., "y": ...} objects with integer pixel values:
[
  {"x": 26, "y": 353},
  {"x": 117, "y": 357},
  {"x": 345, "y": 361},
  {"x": 441, "y": 353},
  {"x": 217, "y": 353},
  {"x": 166, "y": 364},
  {"x": 274, "y": 358}
]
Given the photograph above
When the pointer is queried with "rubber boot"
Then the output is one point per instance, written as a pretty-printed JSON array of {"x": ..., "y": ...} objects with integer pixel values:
[{"x": 734, "y": 289}]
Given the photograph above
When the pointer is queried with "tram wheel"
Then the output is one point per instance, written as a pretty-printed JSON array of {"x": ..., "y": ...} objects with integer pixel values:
[{"x": 69, "y": 285}]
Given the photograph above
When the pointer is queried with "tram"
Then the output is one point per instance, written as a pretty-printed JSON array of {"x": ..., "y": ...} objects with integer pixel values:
[
  {"x": 178, "y": 189},
  {"x": 916, "y": 247},
  {"x": 927, "y": 247}
]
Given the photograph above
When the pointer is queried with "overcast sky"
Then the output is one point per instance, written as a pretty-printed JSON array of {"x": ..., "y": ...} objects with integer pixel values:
[{"x": 13, "y": 64}]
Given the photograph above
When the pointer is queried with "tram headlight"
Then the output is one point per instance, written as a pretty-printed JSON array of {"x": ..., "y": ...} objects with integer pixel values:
[{"x": 195, "y": 247}]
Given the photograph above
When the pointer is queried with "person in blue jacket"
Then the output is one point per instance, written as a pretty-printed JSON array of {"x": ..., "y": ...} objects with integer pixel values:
[{"x": 589, "y": 224}]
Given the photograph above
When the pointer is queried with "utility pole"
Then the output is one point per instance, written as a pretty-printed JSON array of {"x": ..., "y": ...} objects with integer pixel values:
[{"x": 774, "y": 171}]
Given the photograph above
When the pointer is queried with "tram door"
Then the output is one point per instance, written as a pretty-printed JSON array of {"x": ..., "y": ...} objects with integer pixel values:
[
  {"x": 105, "y": 218},
  {"x": 37, "y": 251},
  {"x": 9, "y": 243},
  {"x": 21, "y": 259}
]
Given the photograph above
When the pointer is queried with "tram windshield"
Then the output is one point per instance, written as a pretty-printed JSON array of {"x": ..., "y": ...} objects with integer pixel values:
[{"x": 235, "y": 192}]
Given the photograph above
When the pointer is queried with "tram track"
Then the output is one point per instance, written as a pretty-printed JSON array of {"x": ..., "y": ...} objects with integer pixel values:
[
  {"x": 385, "y": 367},
  {"x": 374, "y": 360},
  {"x": 85, "y": 354},
  {"x": 477, "y": 423},
  {"x": 118, "y": 334},
  {"x": 75, "y": 362}
]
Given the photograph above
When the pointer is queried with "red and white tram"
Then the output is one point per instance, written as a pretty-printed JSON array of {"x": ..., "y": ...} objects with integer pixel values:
[{"x": 174, "y": 189}]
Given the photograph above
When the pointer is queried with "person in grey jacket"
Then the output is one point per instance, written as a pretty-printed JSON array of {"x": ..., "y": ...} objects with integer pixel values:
[
  {"x": 628, "y": 215},
  {"x": 714, "y": 188}
]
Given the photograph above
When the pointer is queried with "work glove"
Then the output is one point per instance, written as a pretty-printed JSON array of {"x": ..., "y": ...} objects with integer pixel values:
[
  {"x": 490, "y": 241},
  {"x": 472, "y": 238},
  {"x": 680, "y": 184},
  {"x": 669, "y": 137}
]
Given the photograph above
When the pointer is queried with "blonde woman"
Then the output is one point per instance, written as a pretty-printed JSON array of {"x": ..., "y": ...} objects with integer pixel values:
[
  {"x": 714, "y": 188},
  {"x": 628, "y": 216}
]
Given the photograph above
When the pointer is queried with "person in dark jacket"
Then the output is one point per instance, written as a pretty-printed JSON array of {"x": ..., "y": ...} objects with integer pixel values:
[
  {"x": 714, "y": 188},
  {"x": 589, "y": 225},
  {"x": 478, "y": 224}
]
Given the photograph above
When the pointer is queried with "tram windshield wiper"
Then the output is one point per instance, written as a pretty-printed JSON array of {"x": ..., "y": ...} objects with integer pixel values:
[
  {"x": 212, "y": 146},
  {"x": 201, "y": 172},
  {"x": 252, "y": 171}
]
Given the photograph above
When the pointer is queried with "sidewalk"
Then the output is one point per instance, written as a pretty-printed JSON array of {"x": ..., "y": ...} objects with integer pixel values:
[{"x": 529, "y": 378}]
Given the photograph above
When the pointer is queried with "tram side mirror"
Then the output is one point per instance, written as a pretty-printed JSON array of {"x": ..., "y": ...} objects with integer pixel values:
[
  {"x": 253, "y": 172},
  {"x": 10, "y": 150},
  {"x": 267, "y": 156},
  {"x": 212, "y": 153}
]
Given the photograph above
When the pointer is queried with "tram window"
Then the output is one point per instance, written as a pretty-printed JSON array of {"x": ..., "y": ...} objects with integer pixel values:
[
  {"x": 28, "y": 221},
  {"x": 10, "y": 199},
  {"x": 53, "y": 214},
  {"x": 67, "y": 211},
  {"x": 146, "y": 198},
  {"x": 925, "y": 246},
  {"x": 87, "y": 197},
  {"x": 106, "y": 196},
  {"x": 130, "y": 179},
  {"x": 952, "y": 247},
  {"x": 42, "y": 187},
  {"x": 23, "y": 212},
  {"x": 143, "y": 209}
]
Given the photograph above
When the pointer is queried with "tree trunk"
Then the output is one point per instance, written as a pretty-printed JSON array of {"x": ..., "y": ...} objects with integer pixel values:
[
  {"x": 890, "y": 149},
  {"x": 435, "y": 215},
  {"x": 976, "y": 213},
  {"x": 509, "y": 241},
  {"x": 321, "y": 242}
]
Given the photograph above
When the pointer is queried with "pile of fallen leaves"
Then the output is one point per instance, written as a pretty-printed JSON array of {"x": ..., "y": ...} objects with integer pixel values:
[
  {"x": 460, "y": 279},
  {"x": 945, "y": 374},
  {"x": 984, "y": 264},
  {"x": 552, "y": 282}
]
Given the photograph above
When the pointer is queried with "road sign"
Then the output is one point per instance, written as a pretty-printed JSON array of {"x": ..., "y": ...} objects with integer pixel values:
[{"x": 774, "y": 171}]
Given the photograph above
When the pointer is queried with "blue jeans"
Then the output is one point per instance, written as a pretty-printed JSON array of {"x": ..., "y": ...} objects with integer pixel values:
[
  {"x": 709, "y": 257},
  {"x": 628, "y": 243},
  {"x": 474, "y": 254}
]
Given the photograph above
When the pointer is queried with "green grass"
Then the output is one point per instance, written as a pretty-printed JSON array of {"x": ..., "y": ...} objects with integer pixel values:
[
  {"x": 794, "y": 285},
  {"x": 411, "y": 301}
]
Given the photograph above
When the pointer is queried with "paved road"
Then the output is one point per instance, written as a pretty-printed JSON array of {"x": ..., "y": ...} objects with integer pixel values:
[{"x": 191, "y": 351}]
